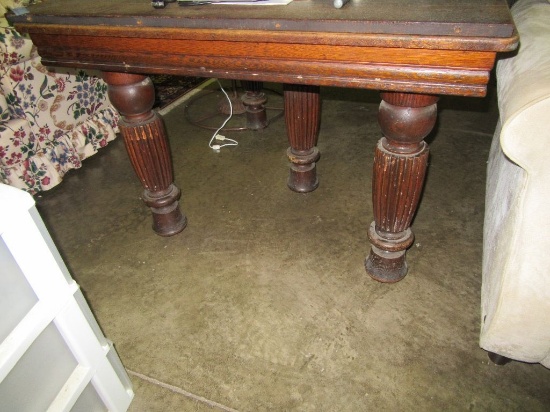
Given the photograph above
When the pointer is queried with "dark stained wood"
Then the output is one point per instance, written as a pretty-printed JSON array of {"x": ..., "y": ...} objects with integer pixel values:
[
  {"x": 254, "y": 101},
  {"x": 410, "y": 50},
  {"x": 413, "y": 69},
  {"x": 431, "y": 41},
  {"x": 400, "y": 163},
  {"x": 473, "y": 18},
  {"x": 145, "y": 139},
  {"x": 376, "y": 44},
  {"x": 302, "y": 117}
]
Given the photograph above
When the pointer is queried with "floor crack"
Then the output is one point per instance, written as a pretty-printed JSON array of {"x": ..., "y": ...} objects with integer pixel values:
[{"x": 181, "y": 391}]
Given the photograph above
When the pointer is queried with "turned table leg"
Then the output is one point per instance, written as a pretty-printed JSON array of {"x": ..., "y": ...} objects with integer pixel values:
[
  {"x": 400, "y": 164},
  {"x": 302, "y": 115},
  {"x": 254, "y": 100},
  {"x": 145, "y": 139}
]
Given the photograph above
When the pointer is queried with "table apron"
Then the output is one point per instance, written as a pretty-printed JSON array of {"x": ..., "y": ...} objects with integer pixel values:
[{"x": 281, "y": 59}]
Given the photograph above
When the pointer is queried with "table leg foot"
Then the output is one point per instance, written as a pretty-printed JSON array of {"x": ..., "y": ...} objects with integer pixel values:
[
  {"x": 302, "y": 116},
  {"x": 386, "y": 267},
  {"x": 303, "y": 172},
  {"x": 386, "y": 262},
  {"x": 167, "y": 218}
]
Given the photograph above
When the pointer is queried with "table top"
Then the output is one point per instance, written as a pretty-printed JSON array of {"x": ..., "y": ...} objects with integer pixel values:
[
  {"x": 422, "y": 46},
  {"x": 464, "y": 18}
]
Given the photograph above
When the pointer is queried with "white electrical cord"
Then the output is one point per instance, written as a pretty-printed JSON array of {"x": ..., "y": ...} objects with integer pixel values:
[{"x": 216, "y": 135}]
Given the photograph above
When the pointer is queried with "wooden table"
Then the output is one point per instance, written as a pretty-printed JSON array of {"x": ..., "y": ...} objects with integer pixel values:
[{"x": 412, "y": 51}]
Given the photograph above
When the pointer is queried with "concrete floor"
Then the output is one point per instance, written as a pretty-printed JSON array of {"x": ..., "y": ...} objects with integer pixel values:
[{"x": 262, "y": 303}]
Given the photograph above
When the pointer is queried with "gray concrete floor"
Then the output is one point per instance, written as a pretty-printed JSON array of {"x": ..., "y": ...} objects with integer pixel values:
[{"x": 262, "y": 303}]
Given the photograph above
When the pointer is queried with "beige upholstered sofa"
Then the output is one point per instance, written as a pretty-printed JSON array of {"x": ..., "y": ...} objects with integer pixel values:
[
  {"x": 516, "y": 266},
  {"x": 50, "y": 119}
]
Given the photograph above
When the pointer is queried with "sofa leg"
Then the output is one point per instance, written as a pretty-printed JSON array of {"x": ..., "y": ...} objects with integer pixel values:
[
  {"x": 144, "y": 135},
  {"x": 498, "y": 359}
]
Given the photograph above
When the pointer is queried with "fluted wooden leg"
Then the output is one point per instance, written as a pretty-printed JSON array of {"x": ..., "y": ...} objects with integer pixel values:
[
  {"x": 254, "y": 100},
  {"x": 400, "y": 164},
  {"x": 145, "y": 139},
  {"x": 302, "y": 115}
]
